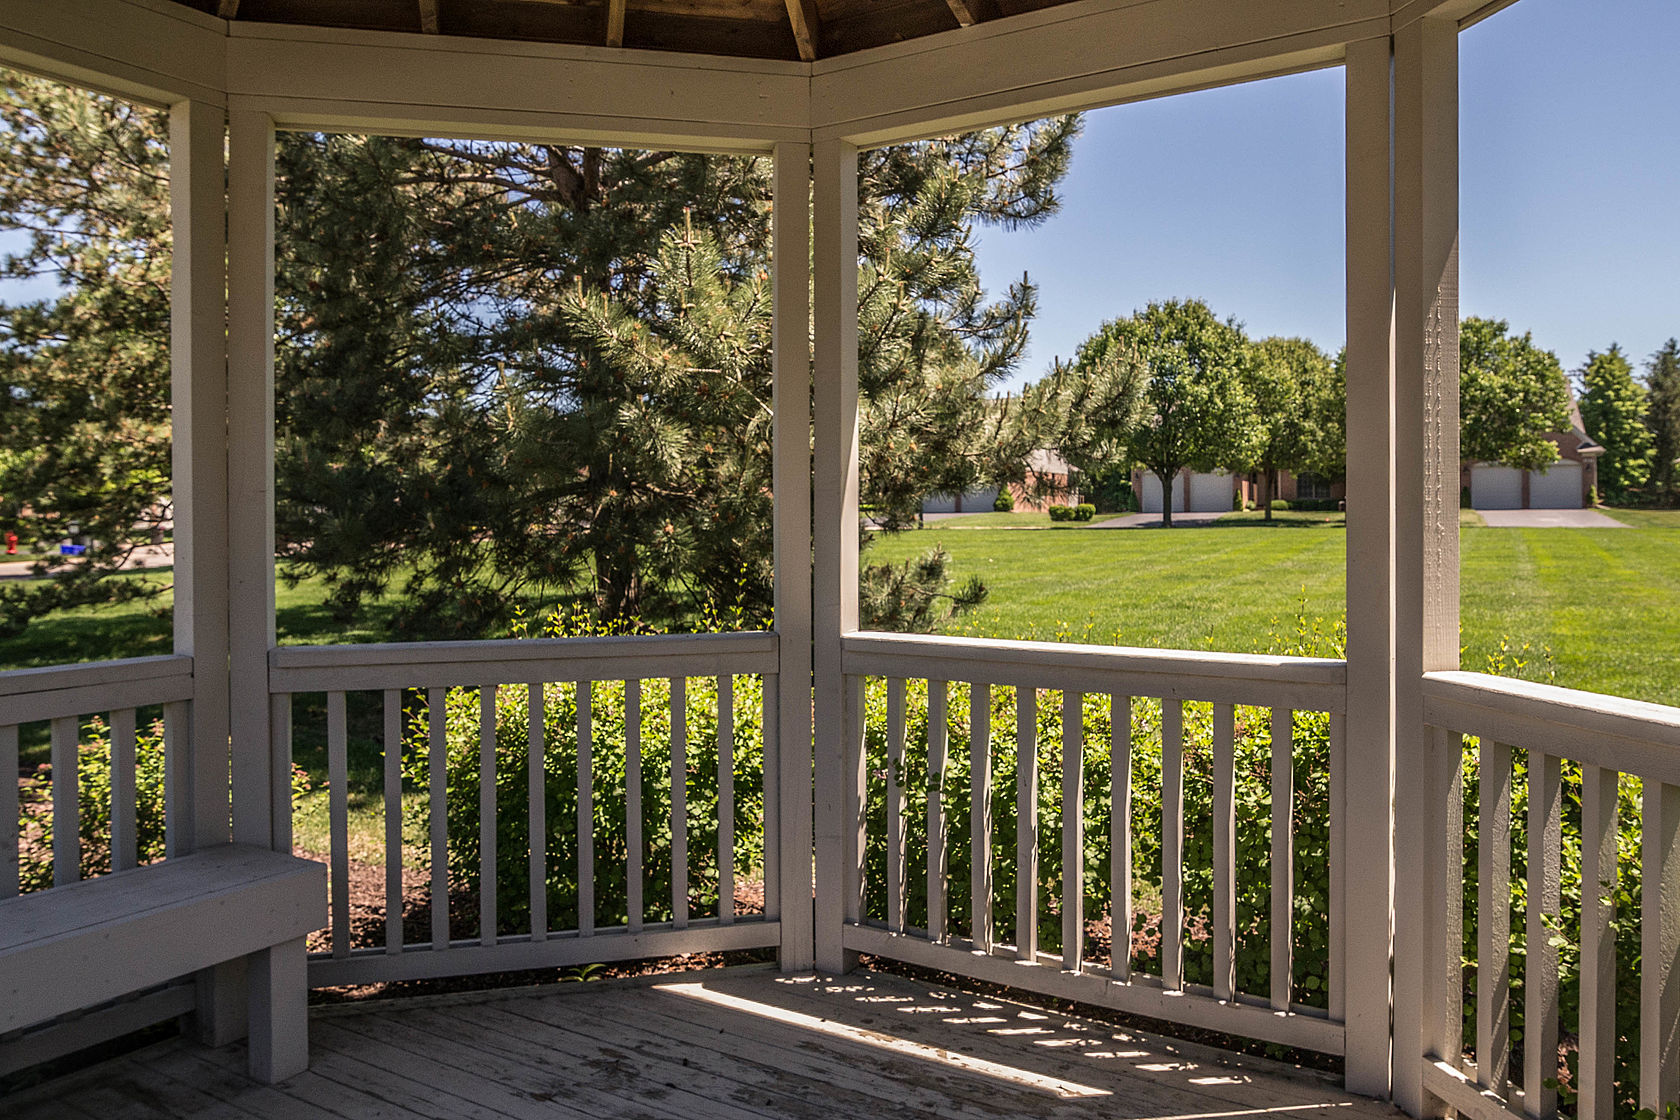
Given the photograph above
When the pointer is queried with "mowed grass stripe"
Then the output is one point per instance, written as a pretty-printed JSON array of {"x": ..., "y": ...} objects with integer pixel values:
[{"x": 1599, "y": 609}]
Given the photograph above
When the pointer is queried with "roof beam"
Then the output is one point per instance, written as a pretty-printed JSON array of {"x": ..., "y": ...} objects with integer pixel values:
[
  {"x": 971, "y": 12},
  {"x": 807, "y": 27},
  {"x": 615, "y": 22},
  {"x": 227, "y": 9},
  {"x": 428, "y": 16}
]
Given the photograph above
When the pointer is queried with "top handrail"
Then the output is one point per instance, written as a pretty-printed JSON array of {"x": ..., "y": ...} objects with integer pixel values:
[
  {"x": 1631, "y": 736},
  {"x": 59, "y": 691},
  {"x": 383, "y": 665},
  {"x": 1308, "y": 683}
]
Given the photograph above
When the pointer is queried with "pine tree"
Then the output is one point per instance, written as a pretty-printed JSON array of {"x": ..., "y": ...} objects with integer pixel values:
[
  {"x": 1613, "y": 409},
  {"x": 84, "y": 414},
  {"x": 1662, "y": 379},
  {"x": 501, "y": 373}
]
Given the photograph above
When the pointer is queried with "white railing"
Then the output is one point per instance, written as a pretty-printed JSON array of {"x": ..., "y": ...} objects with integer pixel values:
[
  {"x": 602, "y": 681},
  {"x": 63, "y": 698},
  {"x": 1149, "y": 695},
  {"x": 1583, "y": 743}
]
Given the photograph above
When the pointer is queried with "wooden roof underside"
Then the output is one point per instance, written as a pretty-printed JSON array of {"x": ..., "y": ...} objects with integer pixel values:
[{"x": 784, "y": 29}]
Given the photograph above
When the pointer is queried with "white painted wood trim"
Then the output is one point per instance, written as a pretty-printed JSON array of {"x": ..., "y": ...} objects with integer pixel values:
[
  {"x": 1120, "y": 838},
  {"x": 1545, "y": 909},
  {"x": 1313, "y": 684},
  {"x": 518, "y": 661},
  {"x": 980, "y": 815},
  {"x": 76, "y": 690},
  {"x": 1457, "y": 1091},
  {"x": 1044, "y": 63},
  {"x": 198, "y": 395},
  {"x": 938, "y": 831},
  {"x": 834, "y": 522},
  {"x": 1493, "y": 920},
  {"x": 487, "y": 816},
  {"x": 154, "y": 53},
  {"x": 170, "y": 668},
  {"x": 54, "y": 1040},
  {"x": 679, "y": 802},
  {"x": 788, "y": 744},
  {"x": 1627, "y": 735},
  {"x": 1073, "y": 832},
  {"x": 585, "y": 816},
  {"x": 1659, "y": 946},
  {"x": 1362, "y": 845},
  {"x": 250, "y": 474},
  {"x": 1600, "y": 833},
  {"x": 1195, "y": 1006},
  {"x": 1282, "y": 869},
  {"x": 1027, "y": 885},
  {"x": 309, "y": 77},
  {"x": 1426, "y": 491},
  {"x": 558, "y": 950}
]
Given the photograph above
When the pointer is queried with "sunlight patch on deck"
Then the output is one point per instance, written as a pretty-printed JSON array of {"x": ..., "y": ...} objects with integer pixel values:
[{"x": 1011, "y": 1074}]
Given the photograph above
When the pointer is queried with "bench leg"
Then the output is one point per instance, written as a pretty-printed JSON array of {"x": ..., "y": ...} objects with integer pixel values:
[
  {"x": 279, "y": 1012},
  {"x": 220, "y": 1014}
]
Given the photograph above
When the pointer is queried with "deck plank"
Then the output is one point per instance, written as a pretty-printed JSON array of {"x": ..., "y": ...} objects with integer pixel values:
[{"x": 735, "y": 1044}]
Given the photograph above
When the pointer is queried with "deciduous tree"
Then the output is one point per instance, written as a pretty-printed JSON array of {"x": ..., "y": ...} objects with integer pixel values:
[
  {"x": 1511, "y": 394},
  {"x": 1196, "y": 409}
]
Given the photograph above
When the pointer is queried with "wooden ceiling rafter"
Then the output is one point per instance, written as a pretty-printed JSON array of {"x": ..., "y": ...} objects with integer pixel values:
[
  {"x": 971, "y": 12},
  {"x": 615, "y": 22},
  {"x": 807, "y": 27}
]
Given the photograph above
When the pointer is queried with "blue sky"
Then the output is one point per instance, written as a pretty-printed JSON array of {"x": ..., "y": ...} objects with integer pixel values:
[{"x": 1570, "y": 187}]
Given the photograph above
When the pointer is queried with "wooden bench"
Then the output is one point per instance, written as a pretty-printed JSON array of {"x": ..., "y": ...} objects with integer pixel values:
[{"x": 81, "y": 944}]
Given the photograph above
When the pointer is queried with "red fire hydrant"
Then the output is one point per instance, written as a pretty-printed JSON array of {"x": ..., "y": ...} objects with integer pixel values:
[{"x": 11, "y": 544}]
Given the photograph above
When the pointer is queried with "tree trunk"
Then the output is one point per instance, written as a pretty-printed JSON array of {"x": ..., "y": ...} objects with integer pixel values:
[
  {"x": 1166, "y": 498},
  {"x": 1266, "y": 492}
]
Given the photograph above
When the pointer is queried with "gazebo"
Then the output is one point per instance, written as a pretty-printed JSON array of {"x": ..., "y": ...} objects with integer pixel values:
[{"x": 215, "y": 931}]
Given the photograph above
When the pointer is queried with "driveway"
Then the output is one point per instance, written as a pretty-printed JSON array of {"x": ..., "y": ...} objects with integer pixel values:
[{"x": 1549, "y": 519}]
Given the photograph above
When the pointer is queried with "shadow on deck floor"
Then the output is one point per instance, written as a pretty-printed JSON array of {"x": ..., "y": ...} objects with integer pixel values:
[{"x": 740, "y": 1043}]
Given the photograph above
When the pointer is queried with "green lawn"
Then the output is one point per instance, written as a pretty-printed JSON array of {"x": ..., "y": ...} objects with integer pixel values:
[{"x": 1597, "y": 609}]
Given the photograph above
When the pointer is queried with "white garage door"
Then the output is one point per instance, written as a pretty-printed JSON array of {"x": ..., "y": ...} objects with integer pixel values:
[
  {"x": 1150, "y": 499},
  {"x": 1211, "y": 493},
  {"x": 1495, "y": 487},
  {"x": 1557, "y": 487}
]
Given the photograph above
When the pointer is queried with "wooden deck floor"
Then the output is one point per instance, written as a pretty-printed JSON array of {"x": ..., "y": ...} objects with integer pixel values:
[{"x": 738, "y": 1044}]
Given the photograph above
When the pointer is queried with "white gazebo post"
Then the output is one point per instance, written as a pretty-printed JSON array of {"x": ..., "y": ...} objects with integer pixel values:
[
  {"x": 198, "y": 799},
  {"x": 261, "y": 763},
  {"x": 1426, "y": 555},
  {"x": 839, "y": 762},
  {"x": 1365, "y": 937},
  {"x": 791, "y": 847}
]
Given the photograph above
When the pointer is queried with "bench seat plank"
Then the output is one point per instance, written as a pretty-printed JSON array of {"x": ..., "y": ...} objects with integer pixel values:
[{"x": 91, "y": 941}]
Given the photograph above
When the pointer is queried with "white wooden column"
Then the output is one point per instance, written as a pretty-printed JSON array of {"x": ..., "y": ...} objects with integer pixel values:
[
  {"x": 198, "y": 404},
  {"x": 1426, "y": 493},
  {"x": 835, "y": 522},
  {"x": 792, "y": 486},
  {"x": 198, "y": 399},
  {"x": 261, "y": 766},
  {"x": 1368, "y": 813}
]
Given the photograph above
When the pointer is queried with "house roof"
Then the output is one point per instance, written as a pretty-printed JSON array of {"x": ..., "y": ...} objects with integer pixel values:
[{"x": 777, "y": 29}]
